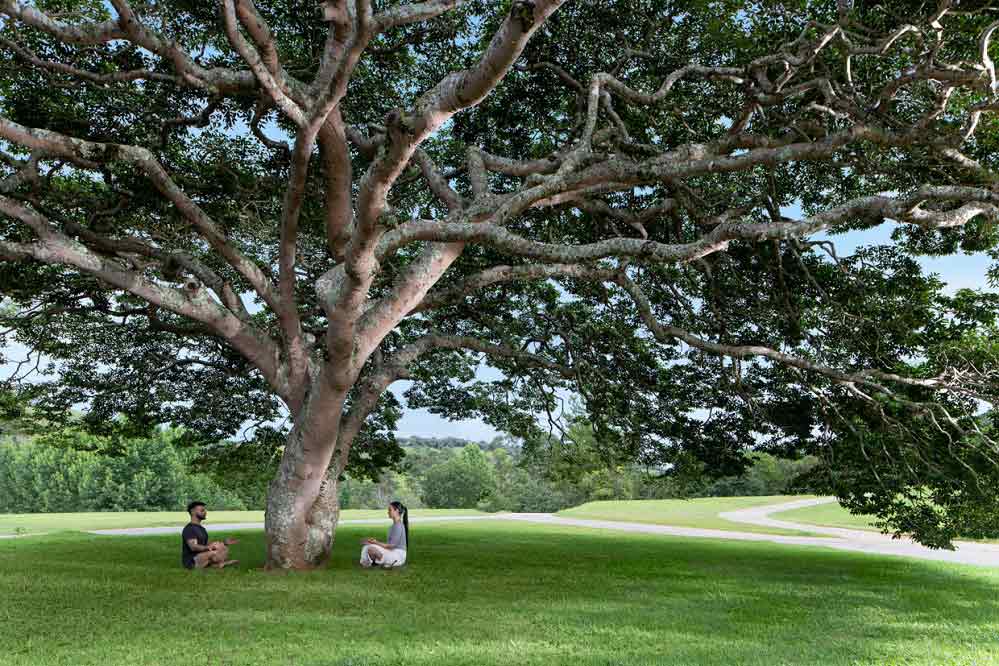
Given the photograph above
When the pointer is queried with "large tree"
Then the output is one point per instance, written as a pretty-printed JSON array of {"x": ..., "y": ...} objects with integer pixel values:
[{"x": 215, "y": 212}]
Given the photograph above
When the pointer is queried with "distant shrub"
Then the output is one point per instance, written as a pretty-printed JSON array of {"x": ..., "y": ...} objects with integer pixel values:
[
  {"x": 148, "y": 475},
  {"x": 461, "y": 482}
]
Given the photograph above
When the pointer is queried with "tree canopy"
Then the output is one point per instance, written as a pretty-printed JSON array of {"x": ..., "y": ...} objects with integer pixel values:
[{"x": 243, "y": 211}]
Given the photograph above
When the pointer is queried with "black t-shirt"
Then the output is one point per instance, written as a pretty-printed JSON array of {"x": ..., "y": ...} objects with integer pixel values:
[{"x": 191, "y": 531}]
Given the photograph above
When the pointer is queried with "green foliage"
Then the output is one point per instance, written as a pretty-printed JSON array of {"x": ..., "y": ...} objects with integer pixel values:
[
  {"x": 495, "y": 478},
  {"x": 939, "y": 493},
  {"x": 244, "y": 469},
  {"x": 448, "y": 443},
  {"x": 147, "y": 475},
  {"x": 767, "y": 475},
  {"x": 561, "y": 474},
  {"x": 368, "y": 494},
  {"x": 14, "y": 412},
  {"x": 581, "y": 468},
  {"x": 461, "y": 482}
]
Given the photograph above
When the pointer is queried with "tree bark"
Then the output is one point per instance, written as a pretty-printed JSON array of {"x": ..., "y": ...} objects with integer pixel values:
[
  {"x": 301, "y": 517},
  {"x": 302, "y": 504}
]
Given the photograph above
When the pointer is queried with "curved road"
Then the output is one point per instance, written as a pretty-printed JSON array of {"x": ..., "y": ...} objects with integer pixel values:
[
  {"x": 832, "y": 537},
  {"x": 966, "y": 552}
]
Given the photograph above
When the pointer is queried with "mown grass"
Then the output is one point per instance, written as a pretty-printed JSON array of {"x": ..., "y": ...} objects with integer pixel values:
[
  {"x": 12, "y": 523},
  {"x": 829, "y": 515},
  {"x": 488, "y": 593},
  {"x": 700, "y": 512}
]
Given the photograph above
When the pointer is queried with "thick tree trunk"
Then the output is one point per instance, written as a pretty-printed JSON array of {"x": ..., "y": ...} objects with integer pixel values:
[
  {"x": 301, "y": 520},
  {"x": 302, "y": 503},
  {"x": 321, "y": 522}
]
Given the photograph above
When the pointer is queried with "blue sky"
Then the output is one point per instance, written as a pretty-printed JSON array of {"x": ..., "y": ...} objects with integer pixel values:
[
  {"x": 421, "y": 423},
  {"x": 961, "y": 271}
]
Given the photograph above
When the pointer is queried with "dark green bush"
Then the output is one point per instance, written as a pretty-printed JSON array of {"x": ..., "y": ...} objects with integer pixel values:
[{"x": 148, "y": 475}]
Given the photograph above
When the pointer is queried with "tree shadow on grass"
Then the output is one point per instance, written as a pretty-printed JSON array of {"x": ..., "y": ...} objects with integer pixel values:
[{"x": 498, "y": 593}]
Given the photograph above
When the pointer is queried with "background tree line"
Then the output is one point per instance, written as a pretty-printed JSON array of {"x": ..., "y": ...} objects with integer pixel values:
[
  {"x": 67, "y": 470},
  {"x": 72, "y": 471},
  {"x": 555, "y": 473}
]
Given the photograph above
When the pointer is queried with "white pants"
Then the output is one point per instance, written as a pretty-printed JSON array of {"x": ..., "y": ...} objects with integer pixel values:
[{"x": 387, "y": 558}]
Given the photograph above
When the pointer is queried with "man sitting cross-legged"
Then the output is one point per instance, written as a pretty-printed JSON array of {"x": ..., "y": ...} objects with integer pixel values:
[{"x": 196, "y": 551}]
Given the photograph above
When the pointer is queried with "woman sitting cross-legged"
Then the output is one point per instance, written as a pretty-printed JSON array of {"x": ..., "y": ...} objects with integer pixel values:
[{"x": 393, "y": 553}]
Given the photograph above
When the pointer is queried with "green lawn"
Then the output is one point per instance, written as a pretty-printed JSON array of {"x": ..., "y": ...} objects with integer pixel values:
[
  {"x": 701, "y": 512},
  {"x": 834, "y": 515},
  {"x": 482, "y": 593},
  {"x": 830, "y": 515},
  {"x": 52, "y": 522}
]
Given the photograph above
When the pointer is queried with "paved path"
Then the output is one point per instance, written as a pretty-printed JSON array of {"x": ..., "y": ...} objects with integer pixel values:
[
  {"x": 867, "y": 541},
  {"x": 229, "y": 527},
  {"x": 832, "y": 537}
]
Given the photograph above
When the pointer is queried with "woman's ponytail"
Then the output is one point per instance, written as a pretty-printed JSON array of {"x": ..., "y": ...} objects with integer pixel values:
[{"x": 405, "y": 525}]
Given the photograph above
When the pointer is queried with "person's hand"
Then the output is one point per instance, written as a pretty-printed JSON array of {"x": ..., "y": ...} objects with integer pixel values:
[
  {"x": 369, "y": 540},
  {"x": 230, "y": 541}
]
